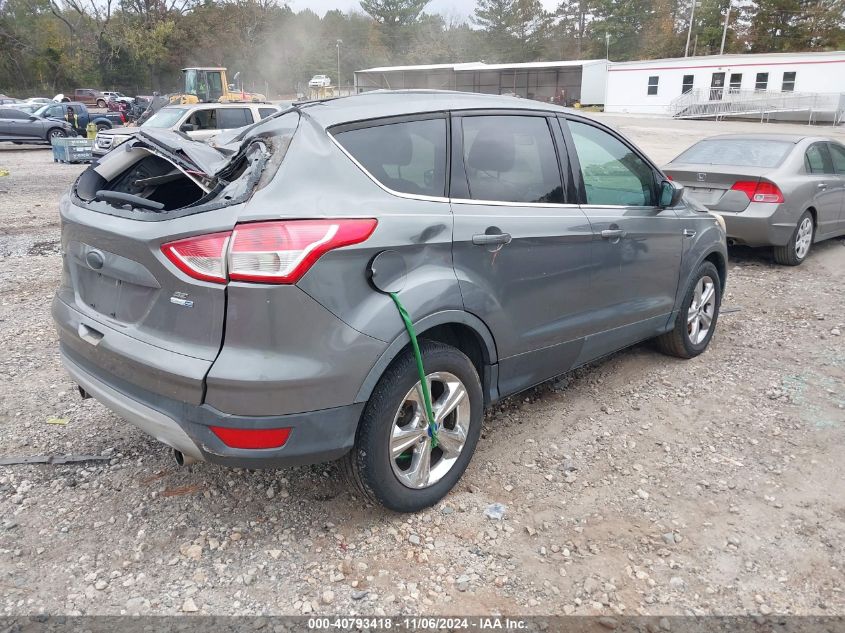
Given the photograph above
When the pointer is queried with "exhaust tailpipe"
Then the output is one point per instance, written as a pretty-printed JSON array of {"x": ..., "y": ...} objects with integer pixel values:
[{"x": 182, "y": 459}]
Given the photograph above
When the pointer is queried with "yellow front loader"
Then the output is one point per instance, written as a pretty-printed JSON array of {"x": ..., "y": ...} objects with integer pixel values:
[{"x": 210, "y": 84}]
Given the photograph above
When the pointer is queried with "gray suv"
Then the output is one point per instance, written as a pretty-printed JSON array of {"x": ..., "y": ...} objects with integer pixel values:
[{"x": 233, "y": 301}]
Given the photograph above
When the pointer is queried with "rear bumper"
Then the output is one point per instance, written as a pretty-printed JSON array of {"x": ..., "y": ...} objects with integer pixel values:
[
  {"x": 316, "y": 436},
  {"x": 760, "y": 224}
]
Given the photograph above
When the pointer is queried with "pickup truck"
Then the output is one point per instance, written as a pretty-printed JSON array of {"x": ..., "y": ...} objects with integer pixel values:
[
  {"x": 104, "y": 121},
  {"x": 90, "y": 97}
]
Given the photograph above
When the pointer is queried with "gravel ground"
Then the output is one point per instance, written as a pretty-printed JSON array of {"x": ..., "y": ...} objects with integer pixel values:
[{"x": 638, "y": 485}]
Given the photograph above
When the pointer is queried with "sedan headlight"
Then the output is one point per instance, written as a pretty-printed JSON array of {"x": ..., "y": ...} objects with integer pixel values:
[{"x": 117, "y": 139}]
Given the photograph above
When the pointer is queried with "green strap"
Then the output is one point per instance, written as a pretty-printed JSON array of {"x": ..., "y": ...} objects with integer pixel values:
[{"x": 409, "y": 326}]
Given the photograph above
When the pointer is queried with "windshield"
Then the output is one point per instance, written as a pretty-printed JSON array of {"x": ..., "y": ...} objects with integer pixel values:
[
  {"x": 164, "y": 118},
  {"x": 739, "y": 152}
]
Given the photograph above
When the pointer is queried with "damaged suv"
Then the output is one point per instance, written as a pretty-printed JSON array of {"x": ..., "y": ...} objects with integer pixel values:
[{"x": 234, "y": 300}]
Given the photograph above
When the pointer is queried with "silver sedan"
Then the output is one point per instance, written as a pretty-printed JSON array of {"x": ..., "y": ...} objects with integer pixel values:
[{"x": 786, "y": 191}]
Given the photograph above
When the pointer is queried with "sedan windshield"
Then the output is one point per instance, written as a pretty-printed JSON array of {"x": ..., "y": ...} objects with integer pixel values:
[
  {"x": 739, "y": 152},
  {"x": 164, "y": 118}
]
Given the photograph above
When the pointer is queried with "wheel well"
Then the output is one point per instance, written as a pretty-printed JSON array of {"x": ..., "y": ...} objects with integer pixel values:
[
  {"x": 814, "y": 213},
  {"x": 463, "y": 338},
  {"x": 721, "y": 266}
]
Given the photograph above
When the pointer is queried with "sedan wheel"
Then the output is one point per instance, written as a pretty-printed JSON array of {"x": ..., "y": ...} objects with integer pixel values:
[
  {"x": 416, "y": 463},
  {"x": 56, "y": 133},
  {"x": 795, "y": 251},
  {"x": 804, "y": 238}
]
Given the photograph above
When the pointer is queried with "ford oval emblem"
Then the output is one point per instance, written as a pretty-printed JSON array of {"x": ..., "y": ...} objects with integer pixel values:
[{"x": 95, "y": 260}]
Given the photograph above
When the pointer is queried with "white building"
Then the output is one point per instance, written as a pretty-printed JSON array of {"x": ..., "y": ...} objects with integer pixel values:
[
  {"x": 581, "y": 81},
  {"x": 656, "y": 86}
]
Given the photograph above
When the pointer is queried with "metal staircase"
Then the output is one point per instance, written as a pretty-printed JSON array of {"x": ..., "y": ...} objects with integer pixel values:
[{"x": 721, "y": 103}]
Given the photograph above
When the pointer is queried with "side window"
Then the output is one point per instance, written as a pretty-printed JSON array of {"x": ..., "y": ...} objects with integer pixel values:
[
  {"x": 837, "y": 155},
  {"x": 652, "y": 85},
  {"x": 228, "y": 118},
  {"x": 817, "y": 160},
  {"x": 409, "y": 157},
  {"x": 686, "y": 84},
  {"x": 204, "y": 120},
  {"x": 613, "y": 174},
  {"x": 13, "y": 114},
  {"x": 762, "y": 81},
  {"x": 265, "y": 112},
  {"x": 511, "y": 159},
  {"x": 55, "y": 111}
]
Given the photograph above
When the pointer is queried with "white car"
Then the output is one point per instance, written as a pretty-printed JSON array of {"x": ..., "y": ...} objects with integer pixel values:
[
  {"x": 200, "y": 121},
  {"x": 320, "y": 81}
]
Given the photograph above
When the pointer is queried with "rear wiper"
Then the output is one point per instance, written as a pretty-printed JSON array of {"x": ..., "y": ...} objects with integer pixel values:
[{"x": 120, "y": 198}]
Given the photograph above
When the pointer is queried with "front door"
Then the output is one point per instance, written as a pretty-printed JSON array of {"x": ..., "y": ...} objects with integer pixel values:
[
  {"x": 717, "y": 86},
  {"x": 521, "y": 248},
  {"x": 636, "y": 247}
]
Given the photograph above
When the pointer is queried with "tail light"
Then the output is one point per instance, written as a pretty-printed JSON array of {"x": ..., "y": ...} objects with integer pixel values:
[
  {"x": 277, "y": 252},
  {"x": 122, "y": 118},
  {"x": 201, "y": 257},
  {"x": 762, "y": 191},
  {"x": 251, "y": 438}
]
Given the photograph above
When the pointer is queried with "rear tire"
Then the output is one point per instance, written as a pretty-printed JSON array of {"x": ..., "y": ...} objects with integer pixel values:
[
  {"x": 102, "y": 126},
  {"x": 700, "y": 309},
  {"x": 101, "y": 103},
  {"x": 378, "y": 465},
  {"x": 799, "y": 245}
]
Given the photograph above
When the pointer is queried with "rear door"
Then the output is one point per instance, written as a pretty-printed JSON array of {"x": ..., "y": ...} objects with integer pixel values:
[
  {"x": 837, "y": 157},
  {"x": 827, "y": 190},
  {"x": 636, "y": 245},
  {"x": 521, "y": 246}
]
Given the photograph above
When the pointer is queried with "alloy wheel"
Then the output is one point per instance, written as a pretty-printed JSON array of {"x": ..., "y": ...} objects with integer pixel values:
[
  {"x": 414, "y": 461},
  {"x": 804, "y": 237},
  {"x": 701, "y": 311}
]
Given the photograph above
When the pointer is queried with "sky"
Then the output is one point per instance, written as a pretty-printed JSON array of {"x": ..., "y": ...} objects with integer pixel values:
[{"x": 450, "y": 8}]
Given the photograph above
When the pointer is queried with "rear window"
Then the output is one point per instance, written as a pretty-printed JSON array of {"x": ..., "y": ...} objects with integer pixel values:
[
  {"x": 409, "y": 157},
  {"x": 265, "y": 112},
  {"x": 739, "y": 152}
]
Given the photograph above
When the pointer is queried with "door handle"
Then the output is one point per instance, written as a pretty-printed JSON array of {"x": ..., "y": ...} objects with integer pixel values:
[
  {"x": 822, "y": 185},
  {"x": 689, "y": 233},
  {"x": 612, "y": 234},
  {"x": 484, "y": 239}
]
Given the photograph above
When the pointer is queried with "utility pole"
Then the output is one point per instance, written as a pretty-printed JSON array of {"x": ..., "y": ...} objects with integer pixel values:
[
  {"x": 607, "y": 45},
  {"x": 725, "y": 30},
  {"x": 339, "y": 42},
  {"x": 689, "y": 31}
]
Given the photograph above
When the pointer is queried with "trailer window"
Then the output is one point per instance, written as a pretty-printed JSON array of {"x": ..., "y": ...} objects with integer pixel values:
[
  {"x": 788, "y": 82},
  {"x": 652, "y": 85},
  {"x": 736, "y": 82},
  {"x": 762, "y": 81},
  {"x": 686, "y": 84}
]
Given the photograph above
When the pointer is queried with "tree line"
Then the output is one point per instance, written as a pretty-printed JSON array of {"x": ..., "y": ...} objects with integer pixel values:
[{"x": 137, "y": 46}]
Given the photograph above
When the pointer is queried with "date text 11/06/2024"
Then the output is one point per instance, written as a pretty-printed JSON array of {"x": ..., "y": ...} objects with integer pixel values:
[{"x": 417, "y": 623}]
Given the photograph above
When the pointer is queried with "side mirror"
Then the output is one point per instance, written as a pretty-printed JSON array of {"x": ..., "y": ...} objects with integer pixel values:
[
  {"x": 670, "y": 194},
  {"x": 187, "y": 127}
]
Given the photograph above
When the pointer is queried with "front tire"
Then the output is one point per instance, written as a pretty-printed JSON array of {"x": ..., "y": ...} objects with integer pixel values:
[
  {"x": 56, "y": 132},
  {"x": 696, "y": 321},
  {"x": 799, "y": 245},
  {"x": 393, "y": 462}
]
